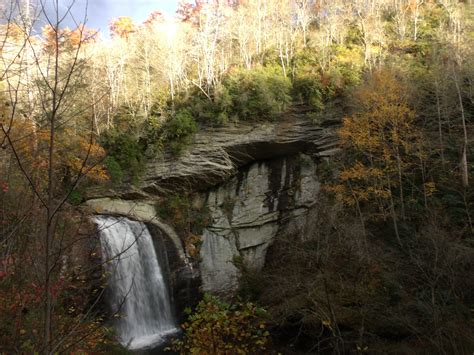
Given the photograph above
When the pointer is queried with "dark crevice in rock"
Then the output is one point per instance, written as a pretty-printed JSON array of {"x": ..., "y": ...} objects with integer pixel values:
[
  {"x": 276, "y": 167},
  {"x": 241, "y": 176}
]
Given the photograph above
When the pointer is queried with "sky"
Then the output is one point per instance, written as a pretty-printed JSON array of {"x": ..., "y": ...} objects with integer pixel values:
[{"x": 99, "y": 12}]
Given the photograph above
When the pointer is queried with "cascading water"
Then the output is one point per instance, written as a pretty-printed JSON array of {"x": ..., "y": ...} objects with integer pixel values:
[{"x": 138, "y": 290}]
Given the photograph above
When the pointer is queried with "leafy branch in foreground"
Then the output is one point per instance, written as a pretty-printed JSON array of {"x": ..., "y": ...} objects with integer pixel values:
[{"x": 217, "y": 327}]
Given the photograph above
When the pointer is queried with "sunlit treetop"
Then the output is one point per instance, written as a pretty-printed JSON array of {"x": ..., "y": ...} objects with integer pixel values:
[
  {"x": 190, "y": 12},
  {"x": 122, "y": 27},
  {"x": 67, "y": 37},
  {"x": 154, "y": 18},
  {"x": 12, "y": 30}
]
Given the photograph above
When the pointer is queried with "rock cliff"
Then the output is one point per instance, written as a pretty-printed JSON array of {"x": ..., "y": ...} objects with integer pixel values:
[
  {"x": 257, "y": 182},
  {"x": 217, "y": 154},
  {"x": 249, "y": 211}
]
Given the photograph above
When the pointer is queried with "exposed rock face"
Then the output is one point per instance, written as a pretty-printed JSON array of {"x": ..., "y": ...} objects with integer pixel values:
[
  {"x": 217, "y": 154},
  {"x": 258, "y": 181},
  {"x": 249, "y": 211}
]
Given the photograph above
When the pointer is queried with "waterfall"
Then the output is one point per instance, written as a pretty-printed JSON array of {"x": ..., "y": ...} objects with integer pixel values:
[{"x": 138, "y": 291}]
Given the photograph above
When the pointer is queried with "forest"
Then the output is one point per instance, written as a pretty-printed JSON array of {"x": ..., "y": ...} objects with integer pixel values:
[{"x": 385, "y": 264}]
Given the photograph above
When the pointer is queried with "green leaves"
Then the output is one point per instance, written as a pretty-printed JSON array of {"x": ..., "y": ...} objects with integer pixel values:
[
  {"x": 125, "y": 156},
  {"x": 218, "y": 327},
  {"x": 181, "y": 125},
  {"x": 255, "y": 94},
  {"x": 260, "y": 93}
]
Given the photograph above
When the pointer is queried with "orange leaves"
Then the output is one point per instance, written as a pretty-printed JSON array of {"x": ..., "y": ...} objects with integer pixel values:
[
  {"x": 66, "y": 38},
  {"x": 74, "y": 152},
  {"x": 22, "y": 133},
  {"x": 357, "y": 132},
  {"x": 82, "y": 35},
  {"x": 49, "y": 37},
  {"x": 383, "y": 89},
  {"x": 81, "y": 155}
]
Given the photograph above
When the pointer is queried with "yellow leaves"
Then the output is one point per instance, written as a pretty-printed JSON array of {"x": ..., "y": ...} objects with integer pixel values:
[
  {"x": 357, "y": 132},
  {"x": 12, "y": 31},
  {"x": 383, "y": 147},
  {"x": 429, "y": 188},
  {"x": 74, "y": 152},
  {"x": 360, "y": 172},
  {"x": 193, "y": 245},
  {"x": 349, "y": 56},
  {"x": 368, "y": 178},
  {"x": 80, "y": 154},
  {"x": 122, "y": 26}
]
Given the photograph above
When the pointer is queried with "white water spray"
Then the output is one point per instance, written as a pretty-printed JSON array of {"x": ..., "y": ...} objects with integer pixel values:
[{"x": 137, "y": 287}]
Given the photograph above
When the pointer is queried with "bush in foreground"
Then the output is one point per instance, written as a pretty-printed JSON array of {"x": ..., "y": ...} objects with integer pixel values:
[{"x": 217, "y": 327}]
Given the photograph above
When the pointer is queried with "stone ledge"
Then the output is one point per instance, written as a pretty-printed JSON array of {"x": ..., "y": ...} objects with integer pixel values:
[{"x": 139, "y": 210}]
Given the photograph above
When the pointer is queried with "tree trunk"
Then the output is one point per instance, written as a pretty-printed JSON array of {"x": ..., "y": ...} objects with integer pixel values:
[
  {"x": 440, "y": 124},
  {"x": 464, "y": 163}
]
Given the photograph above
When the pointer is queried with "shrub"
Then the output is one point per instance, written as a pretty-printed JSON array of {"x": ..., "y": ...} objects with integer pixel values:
[
  {"x": 181, "y": 125},
  {"x": 217, "y": 327},
  {"x": 345, "y": 71},
  {"x": 259, "y": 93},
  {"x": 153, "y": 135},
  {"x": 244, "y": 94},
  {"x": 75, "y": 198},
  {"x": 175, "y": 210},
  {"x": 307, "y": 90},
  {"x": 307, "y": 86},
  {"x": 125, "y": 156},
  {"x": 179, "y": 211},
  {"x": 114, "y": 169},
  {"x": 178, "y": 129},
  {"x": 316, "y": 87}
]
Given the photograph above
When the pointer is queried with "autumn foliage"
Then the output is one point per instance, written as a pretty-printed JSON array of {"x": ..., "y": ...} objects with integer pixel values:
[
  {"x": 385, "y": 150},
  {"x": 123, "y": 26},
  {"x": 220, "y": 328},
  {"x": 21, "y": 300},
  {"x": 396, "y": 77},
  {"x": 67, "y": 39}
]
